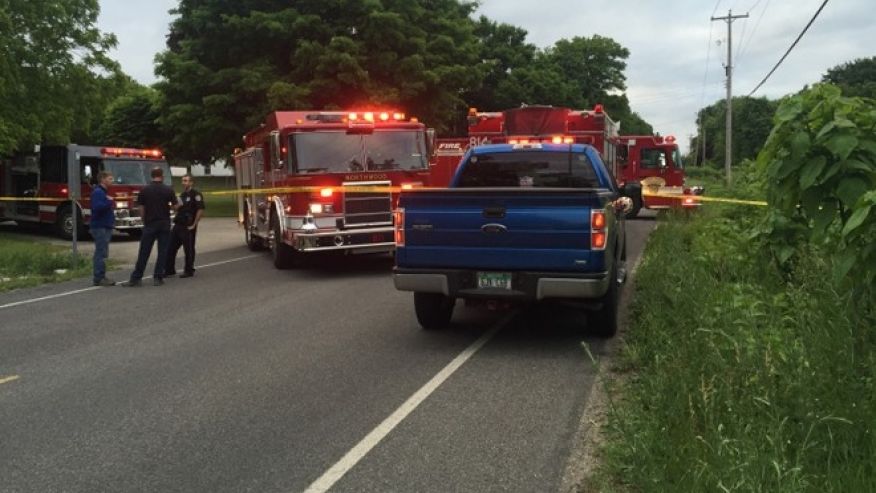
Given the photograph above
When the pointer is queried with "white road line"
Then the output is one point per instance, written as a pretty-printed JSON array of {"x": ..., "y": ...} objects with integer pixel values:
[
  {"x": 337, "y": 471},
  {"x": 93, "y": 288}
]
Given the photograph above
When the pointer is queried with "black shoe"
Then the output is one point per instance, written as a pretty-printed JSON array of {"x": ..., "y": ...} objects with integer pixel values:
[
  {"x": 158, "y": 281},
  {"x": 105, "y": 282},
  {"x": 170, "y": 274},
  {"x": 133, "y": 284},
  {"x": 186, "y": 274}
]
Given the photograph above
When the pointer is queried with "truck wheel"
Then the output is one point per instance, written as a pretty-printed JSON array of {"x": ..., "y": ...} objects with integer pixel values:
[
  {"x": 603, "y": 322},
  {"x": 434, "y": 310},
  {"x": 64, "y": 224},
  {"x": 284, "y": 255},
  {"x": 254, "y": 243}
]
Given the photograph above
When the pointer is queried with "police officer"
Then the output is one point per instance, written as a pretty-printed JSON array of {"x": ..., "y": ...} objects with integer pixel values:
[{"x": 185, "y": 228}]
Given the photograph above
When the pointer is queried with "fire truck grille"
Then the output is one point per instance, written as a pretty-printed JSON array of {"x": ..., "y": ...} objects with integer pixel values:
[{"x": 367, "y": 208}]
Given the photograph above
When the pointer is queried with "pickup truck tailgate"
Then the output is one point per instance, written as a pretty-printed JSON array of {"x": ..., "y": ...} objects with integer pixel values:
[{"x": 535, "y": 229}]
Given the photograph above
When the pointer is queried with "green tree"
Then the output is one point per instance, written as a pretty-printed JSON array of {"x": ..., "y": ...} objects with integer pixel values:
[
  {"x": 752, "y": 122},
  {"x": 228, "y": 64},
  {"x": 856, "y": 78},
  {"x": 131, "y": 120},
  {"x": 54, "y": 71}
]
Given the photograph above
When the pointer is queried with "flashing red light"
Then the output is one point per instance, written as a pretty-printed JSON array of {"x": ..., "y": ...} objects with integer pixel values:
[
  {"x": 398, "y": 116},
  {"x": 353, "y": 116},
  {"x": 369, "y": 116},
  {"x": 598, "y": 108},
  {"x": 64, "y": 191},
  {"x": 568, "y": 140},
  {"x": 557, "y": 140},
  {"x": 384, "y": 116},
  {"x": 513, "y": 141},
  {"x": 326, "y": 192},
  {"x": 670, "y": 138}
]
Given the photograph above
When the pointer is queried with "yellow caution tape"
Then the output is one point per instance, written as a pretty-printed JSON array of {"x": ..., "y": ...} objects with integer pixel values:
[
  {"x": 705, "y": 198},
  {"x": 385, "y": 189}
]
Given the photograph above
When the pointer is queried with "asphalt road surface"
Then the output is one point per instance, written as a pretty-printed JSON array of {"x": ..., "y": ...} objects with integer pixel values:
[{"x": 246, "y": 378}]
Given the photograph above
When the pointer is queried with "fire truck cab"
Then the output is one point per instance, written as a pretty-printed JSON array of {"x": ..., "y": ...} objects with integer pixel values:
[
  {"x": 321, "y": 181},
  {"x": 39, "y": 181},
  {"x": 635, "y": 162}
]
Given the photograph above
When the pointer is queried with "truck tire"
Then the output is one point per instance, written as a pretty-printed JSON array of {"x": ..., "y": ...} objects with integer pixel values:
[
  {"x": 283, "y": 254},
  {"x": 254, "y": 243},
  {"x": 603, "y": 322},
  {"x": 434, "y": 310},
  {"x": 64, "y": 223}
]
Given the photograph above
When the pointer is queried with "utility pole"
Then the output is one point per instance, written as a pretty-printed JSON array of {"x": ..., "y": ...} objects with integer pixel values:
[{"x": 728, "y": 139}]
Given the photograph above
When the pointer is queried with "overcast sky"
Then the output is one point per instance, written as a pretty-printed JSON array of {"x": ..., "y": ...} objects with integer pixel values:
[{"x": 676, "y": 54}]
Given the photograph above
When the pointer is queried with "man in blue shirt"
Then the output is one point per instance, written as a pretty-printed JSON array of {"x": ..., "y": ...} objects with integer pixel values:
[{"x": 102, "y": 224}]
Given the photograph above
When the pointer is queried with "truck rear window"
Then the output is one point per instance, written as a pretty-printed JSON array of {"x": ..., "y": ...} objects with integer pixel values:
[{"x": 529, "y": 169}]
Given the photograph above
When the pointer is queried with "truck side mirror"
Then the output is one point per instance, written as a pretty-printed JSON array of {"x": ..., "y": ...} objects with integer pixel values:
[
  {"x": 430, "y": 141},
  {"x": 276, "y": 152}
]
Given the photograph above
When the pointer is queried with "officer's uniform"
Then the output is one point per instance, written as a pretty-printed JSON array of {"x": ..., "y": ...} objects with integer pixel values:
[{"x": 192, "y": 201}]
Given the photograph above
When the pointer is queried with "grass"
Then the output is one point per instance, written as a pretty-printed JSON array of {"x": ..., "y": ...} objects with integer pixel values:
[
  {"x": 216, "y": 205},
  {"x": 741, "y": 377},
  {"x": 27, "y": 263}
]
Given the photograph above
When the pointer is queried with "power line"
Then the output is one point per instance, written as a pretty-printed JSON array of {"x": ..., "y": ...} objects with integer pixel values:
[
  {"x": 790, "y": 47},
  {"x": 756, "y": 25}
]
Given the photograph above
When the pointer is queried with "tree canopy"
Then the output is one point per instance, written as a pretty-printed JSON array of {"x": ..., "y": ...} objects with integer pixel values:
[
  {"x": 55, "y": 75},
  {"x": 752, "y": 122},
  {"x": 230, "y": 63},
  {"x": 855, "y": 78}
]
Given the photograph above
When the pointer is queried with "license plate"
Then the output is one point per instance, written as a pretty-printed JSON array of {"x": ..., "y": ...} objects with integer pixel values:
[{"x": 494, "y": 280}]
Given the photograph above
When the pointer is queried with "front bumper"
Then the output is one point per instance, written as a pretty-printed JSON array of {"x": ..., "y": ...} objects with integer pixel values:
[
  {"x": 525, "y": 286},
  {"x": 367, "y": 240},
  {"x": 125, "y": 221}
]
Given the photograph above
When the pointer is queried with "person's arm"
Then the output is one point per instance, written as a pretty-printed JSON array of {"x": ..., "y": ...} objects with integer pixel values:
[
  {"x": 100, "y": 202},
  {"x": 199, "y": 205}
]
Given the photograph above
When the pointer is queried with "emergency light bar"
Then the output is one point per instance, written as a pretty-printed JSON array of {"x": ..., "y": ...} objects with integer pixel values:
[
  {"x": 557, "y": 139},
  {"x": 128, "y": 152}
]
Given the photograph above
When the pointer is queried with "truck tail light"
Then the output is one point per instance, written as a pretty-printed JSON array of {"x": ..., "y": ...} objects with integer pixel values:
[
  {"x": 598, "y": 226},
  {"x": 399, "y": 222}
]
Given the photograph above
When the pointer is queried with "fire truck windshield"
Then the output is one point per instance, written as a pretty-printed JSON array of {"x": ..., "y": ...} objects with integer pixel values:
[
  {"x": 133, "y": 171},
  {"x": 339, "y": 152}
]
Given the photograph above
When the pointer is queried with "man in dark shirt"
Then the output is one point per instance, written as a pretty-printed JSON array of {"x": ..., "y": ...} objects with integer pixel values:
[
  {"x": 185, "y": 227},
  {"x": 155, "y": 202}
]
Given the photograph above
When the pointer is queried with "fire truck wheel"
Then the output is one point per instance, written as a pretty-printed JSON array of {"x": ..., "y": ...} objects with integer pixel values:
[
  {"x": 434, "y": 310},
  {"x": 603, "y": 322},
  {"x": 64, "y": 223},
  {"x": 637, "y": 206},
  {"x": 284, "y": 255}
]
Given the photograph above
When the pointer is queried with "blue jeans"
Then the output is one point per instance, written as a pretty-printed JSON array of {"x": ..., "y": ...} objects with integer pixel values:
[
  {"x": 102, "y": 238},
  {"x": 160, "y": 232}
]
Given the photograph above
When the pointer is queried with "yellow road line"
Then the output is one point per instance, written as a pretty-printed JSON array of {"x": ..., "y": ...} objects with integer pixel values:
[{"x": 9, "y": 379}]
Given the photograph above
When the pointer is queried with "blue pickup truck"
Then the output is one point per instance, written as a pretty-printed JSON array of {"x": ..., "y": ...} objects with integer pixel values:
[{"x": 519, "y": 222}]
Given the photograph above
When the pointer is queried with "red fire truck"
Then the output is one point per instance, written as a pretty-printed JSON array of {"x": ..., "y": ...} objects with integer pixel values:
[
  {"x": 318, "y": 181},
  {"x": 636, "y": 162},
  {"x": 39, "y": 181}
]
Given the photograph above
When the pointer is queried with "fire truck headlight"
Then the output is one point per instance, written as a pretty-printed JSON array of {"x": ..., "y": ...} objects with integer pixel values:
[
  {"x": 321, "y": 208},
  {"x": 121, "y": 205}
]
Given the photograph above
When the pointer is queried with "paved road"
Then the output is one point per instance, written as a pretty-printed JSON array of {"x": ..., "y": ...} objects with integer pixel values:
[{"x": 245, "y": 378}]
